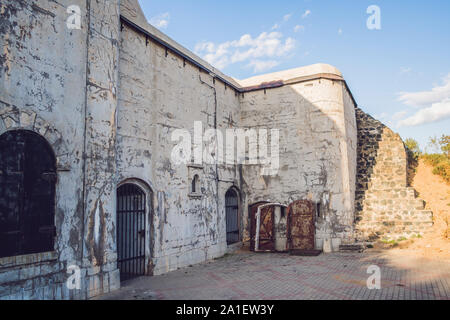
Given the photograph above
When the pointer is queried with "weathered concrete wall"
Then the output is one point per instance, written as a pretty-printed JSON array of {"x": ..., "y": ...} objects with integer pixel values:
[
  {"x": 317, "y": 151},
  {"x": 386, "y": 208},
  {"x": 99, "y": 252},
  {"x": 160, "y": 93},
  {"x": 43, "y": 85},
  {"x": 44, "y": 91}
]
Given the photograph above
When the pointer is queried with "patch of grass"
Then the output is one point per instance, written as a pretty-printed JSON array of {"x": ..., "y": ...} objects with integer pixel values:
[{"x": 393, "y": 243}]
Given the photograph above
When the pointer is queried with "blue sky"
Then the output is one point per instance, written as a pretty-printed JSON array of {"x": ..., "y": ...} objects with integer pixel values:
[{"x": 399, "y": 74}]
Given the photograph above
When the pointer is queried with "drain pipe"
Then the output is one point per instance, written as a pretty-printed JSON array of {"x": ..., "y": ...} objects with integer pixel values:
[{"x": 215, "y": 127}]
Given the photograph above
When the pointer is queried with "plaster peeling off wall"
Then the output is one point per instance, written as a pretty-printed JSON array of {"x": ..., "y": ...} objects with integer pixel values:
[
  {"x": 160, "y": 92},
  {"x": 42, "y": 89},
  {"x": 102, "y": 86},
  {"x": 317, "y": 151},
  {"x": 386, "y": 208}
]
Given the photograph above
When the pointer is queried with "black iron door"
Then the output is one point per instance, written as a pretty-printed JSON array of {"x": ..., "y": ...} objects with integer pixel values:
[
  {"x": 232, "y": 216},
  {"x": 27, "y": 194},
  {"x": 131, "y": 221}
]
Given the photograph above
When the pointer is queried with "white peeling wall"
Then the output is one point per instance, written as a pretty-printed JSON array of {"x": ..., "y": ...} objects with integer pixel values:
[
  {"x": 42, "y": 74},
  {"x": 160, "y": 93},
  {"x": 42, "y": 88},
  {"x": 317, "y": 135},
  {"x": 45, "y": 87}
]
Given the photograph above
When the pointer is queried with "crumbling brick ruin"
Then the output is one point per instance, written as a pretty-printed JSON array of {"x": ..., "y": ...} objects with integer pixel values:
[
  {"x": 100, "y": 104},
  {"x": 386, "y": 207}
]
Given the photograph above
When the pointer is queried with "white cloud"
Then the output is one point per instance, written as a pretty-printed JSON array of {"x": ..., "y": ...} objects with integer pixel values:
[
  {"x": 434, "y": 105},
  {"x": 276, "y": 26},
  {"x": 340, "y": 31},
  {"x": 299, "y": 28},
  {"x": 161, "y": 21},
  {"x": 427, "y": 98},
  {"x": 287, "y": 17},
  {"x": 437, "y": 112},
  {"x": 306, "y": 14},
  {"x": 247, "y": 48},
  {"x": 262, "y": 66}
]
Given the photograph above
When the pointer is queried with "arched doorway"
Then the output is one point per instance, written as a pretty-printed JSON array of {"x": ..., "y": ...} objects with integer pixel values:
[
  {"x": 131, "y": 231},
  {"x": 232, "y": 216},
  {"x": 27, "y": 194}
]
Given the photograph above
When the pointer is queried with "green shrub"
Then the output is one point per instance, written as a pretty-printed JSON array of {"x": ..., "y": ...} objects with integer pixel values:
[
  {"x": 440, "y": 164},
  {"x": 435, "y": 159},
  {"x": 443, "y": 170},
  {"x": 412, "y": 146}
]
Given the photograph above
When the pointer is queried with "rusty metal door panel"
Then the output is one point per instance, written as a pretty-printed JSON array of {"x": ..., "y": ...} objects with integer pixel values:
[
  {"x": 253, "y": 210},
  {"x": 301, "y": 225},
  {"x": 267, "y": 229}
]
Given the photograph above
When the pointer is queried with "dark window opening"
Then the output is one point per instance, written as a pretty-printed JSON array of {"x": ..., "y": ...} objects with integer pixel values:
[
  {"x": 27, "y": 194},
  {"x": 195, "y": 185},
  {"x": 283, "y": 212},
  {"x": 232, "y": 216}
]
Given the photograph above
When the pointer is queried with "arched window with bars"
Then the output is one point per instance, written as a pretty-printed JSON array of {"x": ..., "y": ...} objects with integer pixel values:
[{"x": 28, "y": 180}]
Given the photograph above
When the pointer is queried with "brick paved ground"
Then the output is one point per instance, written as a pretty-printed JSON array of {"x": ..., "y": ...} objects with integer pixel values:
[{"x": 245, "y": 275}]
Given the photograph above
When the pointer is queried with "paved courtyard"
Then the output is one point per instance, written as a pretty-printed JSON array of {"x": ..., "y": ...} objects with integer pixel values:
[{"x": 341, "y": 276}]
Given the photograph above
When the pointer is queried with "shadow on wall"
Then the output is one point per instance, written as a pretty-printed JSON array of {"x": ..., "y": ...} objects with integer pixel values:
[{"x": 413, "y": 163}]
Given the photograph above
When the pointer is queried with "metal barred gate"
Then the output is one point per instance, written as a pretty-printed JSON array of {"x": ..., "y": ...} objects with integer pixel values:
[{"x": 131, "y": 221}]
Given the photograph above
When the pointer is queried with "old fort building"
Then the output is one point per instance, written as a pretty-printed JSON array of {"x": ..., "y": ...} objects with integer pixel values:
[{"x": 90, "y": 194}]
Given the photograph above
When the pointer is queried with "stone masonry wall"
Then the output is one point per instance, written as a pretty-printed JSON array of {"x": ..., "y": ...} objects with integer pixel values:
[{"x": 386, "y": 208}]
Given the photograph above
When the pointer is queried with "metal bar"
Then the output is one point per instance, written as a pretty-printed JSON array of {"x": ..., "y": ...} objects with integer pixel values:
[
  {"x": 127, "y": 232},
  {"x": 135, "y": 244}
]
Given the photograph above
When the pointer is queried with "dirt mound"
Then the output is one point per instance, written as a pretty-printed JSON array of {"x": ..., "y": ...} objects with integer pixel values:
[{"x": 436, "y": 193}]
